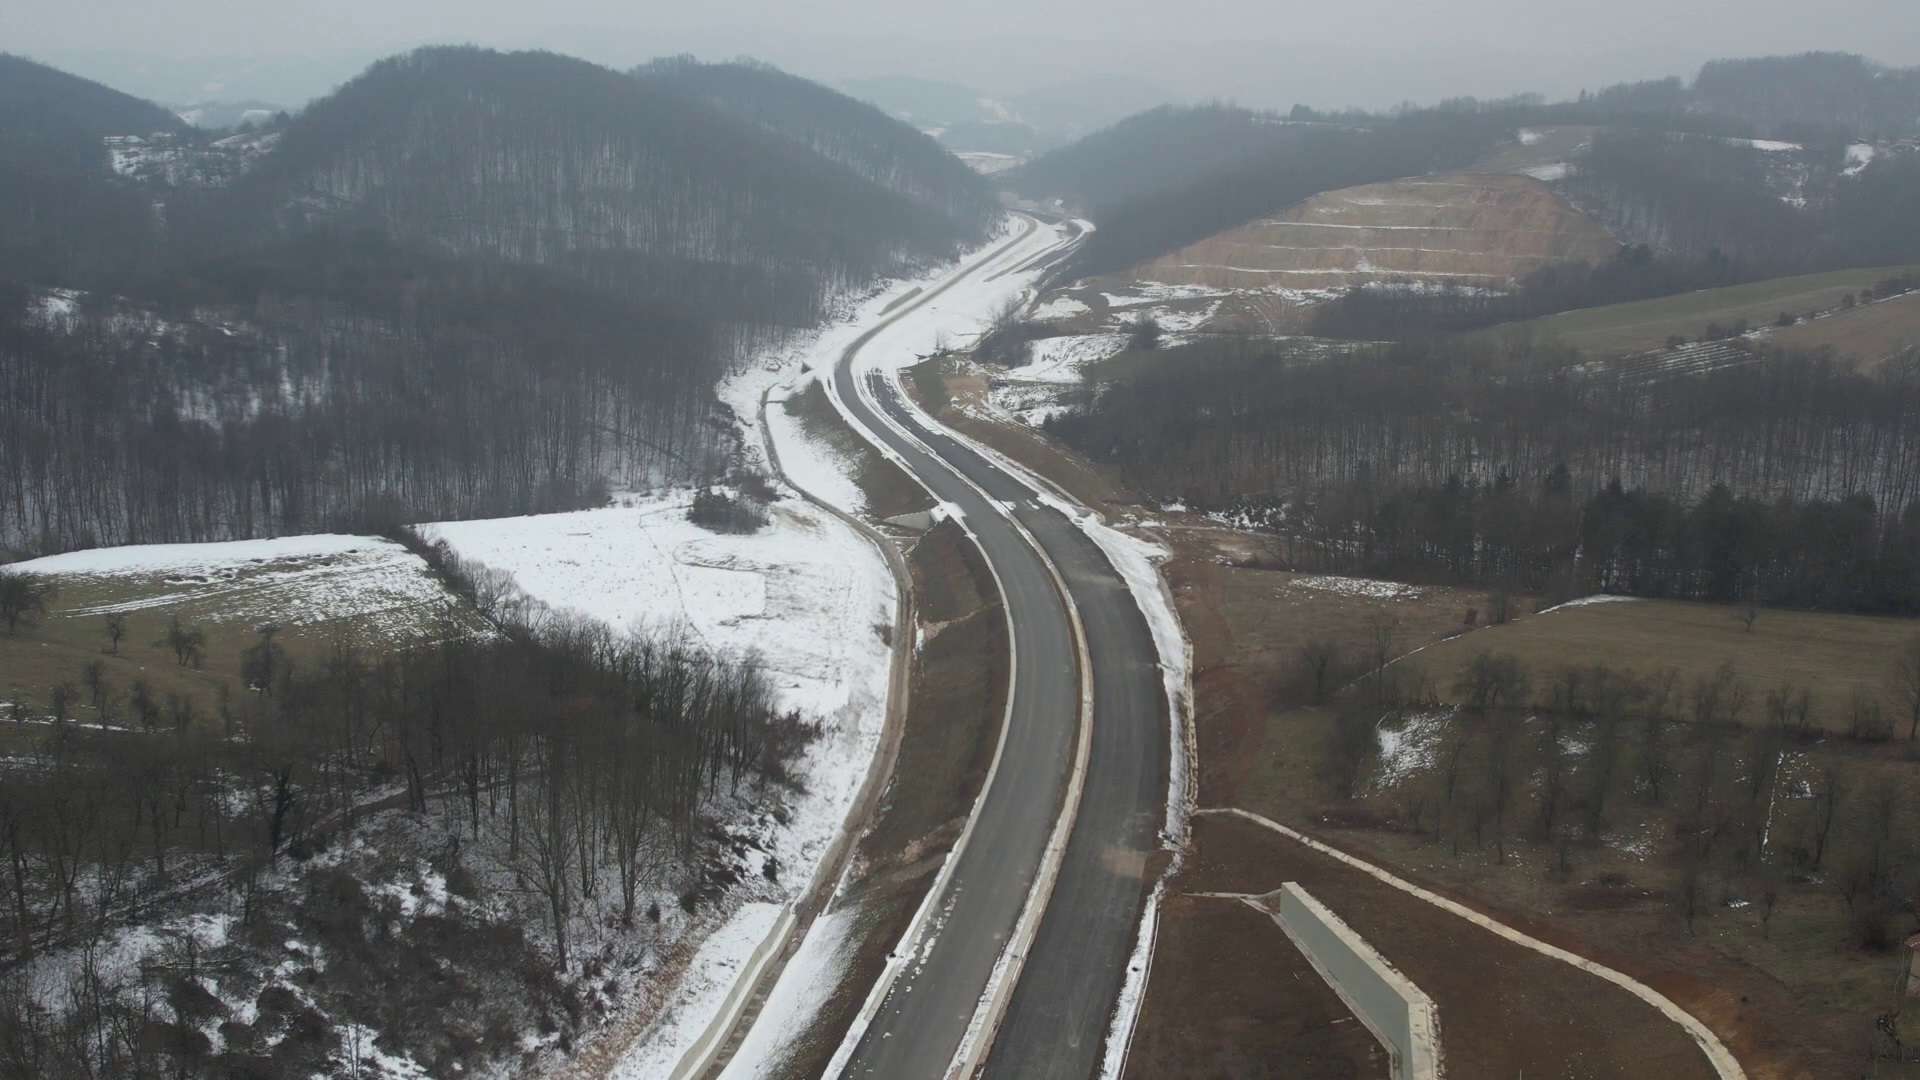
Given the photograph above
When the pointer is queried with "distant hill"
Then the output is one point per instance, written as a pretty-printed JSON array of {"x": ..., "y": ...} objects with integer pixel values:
[
  {"x": 852, "y": 133},
  {"x": 62, "y": 213},
  {"x": 633, "y": 184},
  {"x": 38, "y": 100},
  {"x": 221, "y": 115},
  {"x": 969, "y": 120},
  {"x": 1148, "y": 152}
]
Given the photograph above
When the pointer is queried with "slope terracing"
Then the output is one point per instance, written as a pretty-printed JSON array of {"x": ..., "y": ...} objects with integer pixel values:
[{"x": 1463, "y": 229}]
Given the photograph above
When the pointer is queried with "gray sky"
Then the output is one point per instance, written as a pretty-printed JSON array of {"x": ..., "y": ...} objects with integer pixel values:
[{"x": 1260, "y": 52}]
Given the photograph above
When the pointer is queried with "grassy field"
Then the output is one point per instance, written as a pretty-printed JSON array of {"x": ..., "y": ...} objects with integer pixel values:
[
  {"x": 1870, "y": 333},
  {"x": 1647, "y": 324},
  {"x": 366, "y": 592},
  {"x": 1832, "y": 656}
]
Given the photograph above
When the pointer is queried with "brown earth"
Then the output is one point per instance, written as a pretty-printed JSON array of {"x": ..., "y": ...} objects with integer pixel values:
[
  {"x": 1504, "y": 1010},
  {"x": 1792, "y": 996},
  {"x": 1208, "y": 952},
  {"x": 1464, "y": 229}
]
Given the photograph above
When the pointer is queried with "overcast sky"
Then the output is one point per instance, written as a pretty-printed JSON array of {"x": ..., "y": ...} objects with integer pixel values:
[{"x": 1260, "y": 52}]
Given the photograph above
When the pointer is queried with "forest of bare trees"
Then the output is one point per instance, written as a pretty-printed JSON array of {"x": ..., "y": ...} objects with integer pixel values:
[
  {"x": 579, "y": 764},
  {"x": 1750, "y": 789},
  {"x": 1793, "y": 476}
]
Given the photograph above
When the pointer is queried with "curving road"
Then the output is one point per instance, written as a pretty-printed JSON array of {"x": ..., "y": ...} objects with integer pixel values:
[{"x": 1056, "y": 1019}]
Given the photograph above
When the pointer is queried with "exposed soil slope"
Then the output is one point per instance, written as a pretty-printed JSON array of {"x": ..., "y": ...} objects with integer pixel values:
[{"x": 1464, "y": 229}]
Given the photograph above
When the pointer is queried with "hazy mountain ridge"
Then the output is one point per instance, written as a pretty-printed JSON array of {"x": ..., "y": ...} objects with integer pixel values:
[{"x": 839, "y": 128}]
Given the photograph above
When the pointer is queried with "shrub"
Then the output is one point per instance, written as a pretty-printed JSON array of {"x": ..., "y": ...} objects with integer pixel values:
[{"x": 723, "y": 513}]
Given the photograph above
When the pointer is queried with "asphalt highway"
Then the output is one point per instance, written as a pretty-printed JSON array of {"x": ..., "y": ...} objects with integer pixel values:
[{"x": 1057, "y": 1019}]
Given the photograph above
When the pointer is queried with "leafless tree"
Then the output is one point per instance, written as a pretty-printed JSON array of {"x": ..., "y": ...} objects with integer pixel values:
[
  {"x": 1319, "y": 659},
  {"x": 115, "y": 628},
  {"x": 1906, "y": 681}
]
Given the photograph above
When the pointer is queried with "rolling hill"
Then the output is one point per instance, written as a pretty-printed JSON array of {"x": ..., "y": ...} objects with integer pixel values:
[{"x": 538, "y": 158}]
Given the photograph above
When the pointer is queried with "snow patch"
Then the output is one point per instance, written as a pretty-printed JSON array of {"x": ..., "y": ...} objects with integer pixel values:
[
  {"x": 1060, "y": 307},
  {"x": 1409, "y": 747},
  {"x": 1366, "y": 588},
  {"x": 1586, "y": 601}
]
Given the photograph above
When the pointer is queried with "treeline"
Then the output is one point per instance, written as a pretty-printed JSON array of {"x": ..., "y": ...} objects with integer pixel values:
[
  {"x": 1422, "y": 454},
  {"x": 1837, "y": 555},
  {"x": 1636, "y": 272},
  {"x": 1561, "y": 759},
  {"x": 339, "y": 383},
  {"x": 1691, "y": 197},
  {"x": 1812, "y": 92}
]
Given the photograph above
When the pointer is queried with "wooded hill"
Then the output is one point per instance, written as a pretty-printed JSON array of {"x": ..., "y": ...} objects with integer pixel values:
[
  {"x": 467, "y": 282},
  {"x": 1167, "y": 178},
  {"x": 63, "y": 214},
  {"x": 1672, "y": 165}
]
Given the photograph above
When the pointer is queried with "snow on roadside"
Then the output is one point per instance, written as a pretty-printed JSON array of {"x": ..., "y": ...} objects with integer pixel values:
[
  {"x": 1137, "y": 561},
  {"x": 804, "y": 987},
  {"x": 702, "y": 992}
]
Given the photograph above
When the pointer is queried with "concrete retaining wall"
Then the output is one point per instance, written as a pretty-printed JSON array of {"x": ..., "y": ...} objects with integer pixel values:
[{"x": 1396, "y": 1011}]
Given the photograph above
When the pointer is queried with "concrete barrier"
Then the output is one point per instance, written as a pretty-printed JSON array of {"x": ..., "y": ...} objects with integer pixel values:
[{"x": 1401, "y": 1016}]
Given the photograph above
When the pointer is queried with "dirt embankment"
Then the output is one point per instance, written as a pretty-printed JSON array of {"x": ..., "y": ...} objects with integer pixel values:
[{"x": 1462, "y": 229}]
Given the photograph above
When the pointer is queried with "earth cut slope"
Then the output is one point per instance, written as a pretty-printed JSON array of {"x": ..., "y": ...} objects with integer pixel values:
[{"x": 1478, "y": 230}]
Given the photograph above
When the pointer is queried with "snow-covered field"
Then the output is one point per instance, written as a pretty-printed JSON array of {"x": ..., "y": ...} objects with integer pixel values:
[
  {"x": 807, "y": 594},
  {"x": 292, "y": 580}
]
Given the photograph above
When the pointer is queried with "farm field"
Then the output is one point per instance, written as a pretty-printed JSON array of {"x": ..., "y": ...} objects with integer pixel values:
[
  {"x": 322, "y": 591},
  {"x": 1871, "y": 334},
  {"x": 1647, "y": 324},
  {"x": 1834, "y": 657}
]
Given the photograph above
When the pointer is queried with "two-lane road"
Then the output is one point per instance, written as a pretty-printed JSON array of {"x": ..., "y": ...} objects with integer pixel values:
[{"x": 1058, "y": 1015}]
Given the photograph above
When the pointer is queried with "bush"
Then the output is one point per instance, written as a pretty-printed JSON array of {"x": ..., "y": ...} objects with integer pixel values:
[
  {"x": 723, "y": 513},
  {"x": 1144, "y": 334}
]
